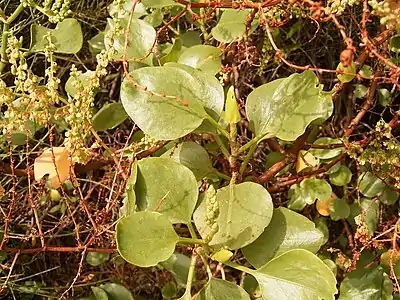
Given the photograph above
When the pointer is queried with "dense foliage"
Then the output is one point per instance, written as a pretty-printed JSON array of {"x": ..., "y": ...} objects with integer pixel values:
[{"x": 174, "y": 149}]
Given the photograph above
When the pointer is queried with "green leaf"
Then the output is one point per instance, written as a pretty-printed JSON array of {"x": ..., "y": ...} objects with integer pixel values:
[
  {"x": 67, "y": 37},
  {"x": 288, "y": 230},
  {"x": 222, "y": 255},
  {"x": 363, "y": 284},
  {"x": 370, "y": 185},
  {"x": 178, "y": 264},
  {"x": 169, "y": 290},
  {"x": 218, "y": 289},
  {"x": 172, "y": 52},
  {"x": 158, "y": 3},
  {"x": 245, "y": 210},
  {"x": 360, "y": 91},
  {"x": 83, "y": 79},
  {"x": 141, "y": 39},
  {"x": 389, "y": 196},
  {"x": 125, "y": 12},
  {"x": 296, "y": 199},
  {"x": 109, "y": 116},
  {"x": 231, "y": 113},
  {"x": 231, "y": 26},
  {"x": 370, "y": 214},
  {"x": 145, "y": 238},
  {"x": 285, "y": 107},
  {"x": 326, "y": 153},
  {"x": 116, "y": 291},
  {"x": 97, "y": 258},
  {"x": 394, "y": 44},
  {"x": 341, "y": 177},
  {"x": 192, "y": 156},
  {"x": 96, "y": 43},
  {"x": 190, "y": 38},
  {"x": 339, "y": 209},
  {"x": 366, "y": 71},
  {"x": 165, "y": 118},
  {"x": 350, "y": 69},
  {"x": 296, "y": 274},
  {"x": 313, "y": 189},
  {"x": 155, "y": 18},
  {"x": 99, "y": 293},
  {"x": 168, "y": 187},
  {"x": 383, "y": 96},
  {"x": 203, "y": 57}
]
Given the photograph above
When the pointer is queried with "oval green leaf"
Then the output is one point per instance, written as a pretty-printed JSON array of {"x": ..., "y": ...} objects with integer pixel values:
[
  {"x": 167, "y": 118},
  {"x": 285, "y": 107},
  {"x": 245, "y": 210},
  {"x": 231, "y": 26},
  {"x": 168, "y": 187},
  {"x": 145, "y": 238},
  {"x": 192, "y": 156},
  {"x": 341, "y": 177},
  {"x": 326, "y": 153},
  {"x": 288, "y": 230},
  {"x": 203, "y": 57},
  {"x": 109, "y": 116},
  {"x": 296, "y": 274},
  {"x": 116, "y": 291},
  {"x": 218, "y": 289},
  {"x": 67, "y": 37},
  {"x": 141, "y": 39},
  {"x": 370, "y": 185}
]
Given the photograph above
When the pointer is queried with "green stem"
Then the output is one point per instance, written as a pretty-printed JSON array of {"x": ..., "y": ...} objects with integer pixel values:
[
  {"x": 238, "y": 267},
  {"x": 251, "y": 143},
  {"x": 247, "y": 158},
  {"x": 234, "y": 152},
  {"x": 221, "y": 175},
  {"x": 218, "y": 126},
  {"x": 191, "y": 274},
  {"x": 6, "y": 32},
  {"x": 222, "y": 146},
  {"x": 190, "y": 241},
  {"x": 192, "y": 231}
]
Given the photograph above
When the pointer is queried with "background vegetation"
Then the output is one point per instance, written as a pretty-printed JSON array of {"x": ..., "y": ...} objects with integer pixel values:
[{"x": 165, "y": 149}]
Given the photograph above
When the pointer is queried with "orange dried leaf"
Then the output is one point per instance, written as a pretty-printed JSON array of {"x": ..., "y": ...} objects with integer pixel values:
[{"x": 44, "y": 165}]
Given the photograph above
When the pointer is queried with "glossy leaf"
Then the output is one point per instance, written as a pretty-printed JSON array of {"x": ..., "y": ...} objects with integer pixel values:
[
  {"x": 158, "y": 3},
  {"x": 285, "y": 107},
  {"x": 166, "y": 118},
  {"x": 383, "y": 96},
  {"x": 96, "y": 43},
  {"x": 231, "y": 113},
  {"x": 288, "y": 230},
  {"x": 370, "y": 214},
  {"x": 244, "y": 211},
  {"x": 124, "y": 13},
  {"x": 97, "y": 258},
  {"x": 218, "y": 289},
  {"x": 389, "y": 196},
  {"x": 168, "y": 187},
  {"x": 178, "y": 264},
  {"x": 155, "y": 18},
  {"x": 313, "y": 189},
  {"x": 363, "y": 284},
  {"x": 231, "y": 25},
  {"x": 326, "y": 153},
  {"x": 296, "y": 274},
  {"x": 394, "y": 43},
  {"x": 109, "y": 116},
  {"x": 203, "y": 57},
  {"x": 339, "y": 209},
  {"x": 116, "y": 292},
  {"x": 370, "y": 185},
  {"x": 172, "y": 52},
  {"x": 350, "y": 70},
  {"x": 192, "y": 156},
  {"x": 145, "y": 232},
  {"x": 341, "y": 177},
  {"x": 141, "y": 39},
  {"x": 99, "y": 293},
  {"x": 360, "y": 91},
  {"x": 67, "y": 37}
]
